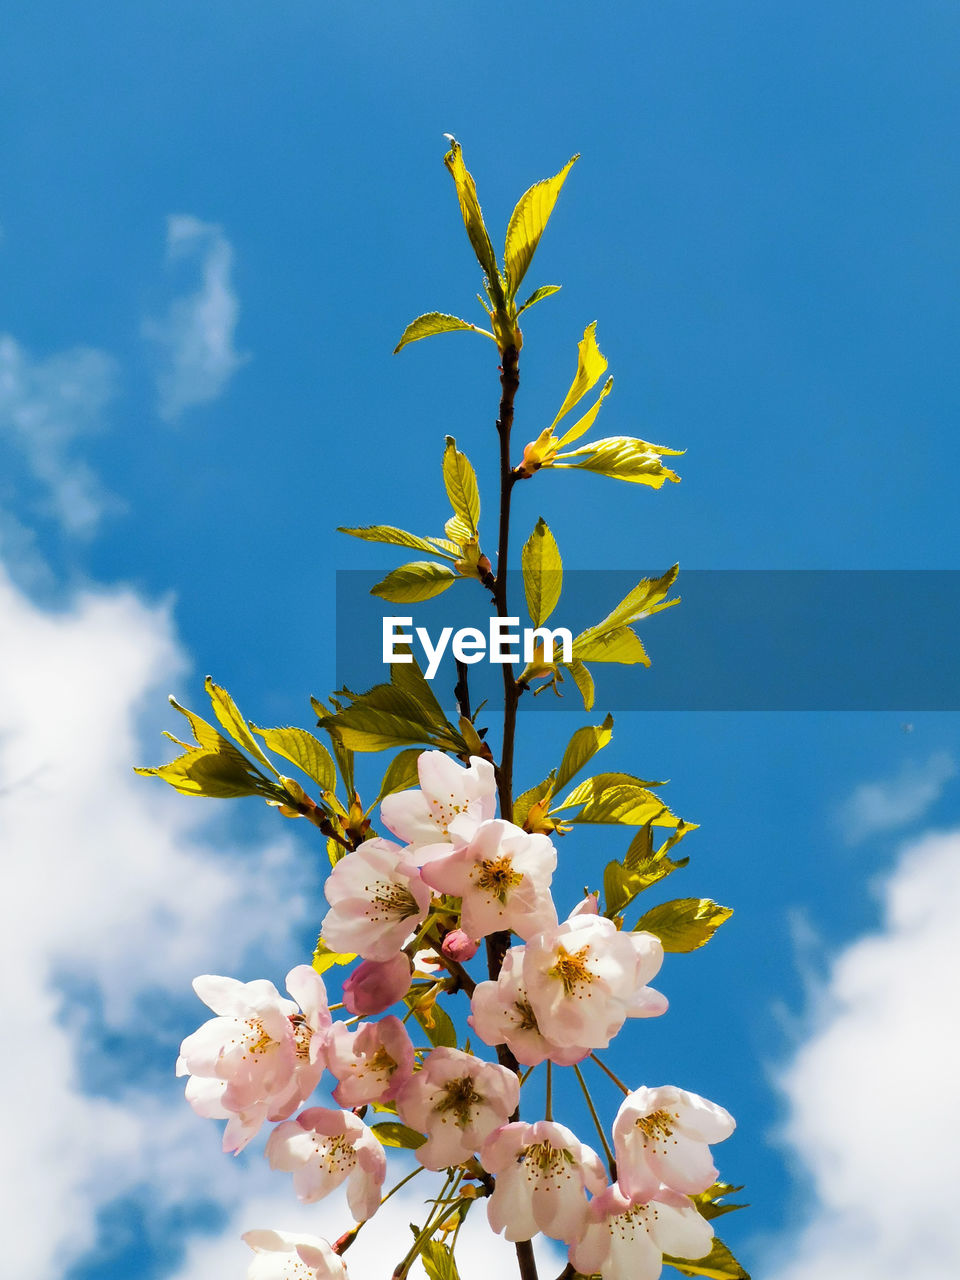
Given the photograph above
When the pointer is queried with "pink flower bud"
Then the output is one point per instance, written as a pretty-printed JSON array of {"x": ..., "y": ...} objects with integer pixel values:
[
  {"x": 458, "y": 946},
  {"x": 377, "y": 984}
]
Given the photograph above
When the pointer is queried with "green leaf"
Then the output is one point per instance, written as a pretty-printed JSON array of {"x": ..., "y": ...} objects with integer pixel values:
[
  {"x": 228, "y": 713},
  {"x": 324, "y": 958},
  {"x": 647, "y": 865},
  {"x": 646, "y": 598},
  {"x": 391, "y": 715},
  {"x": 419, "y": 580},
  {"x": 217, "y": 775},
  {"x": 621, "y": 645},
  {"x": 391, "y": 1133},
  {"x": 396, "y": 537},
  {"x": 527, "y": 224},
  {"x": 538, "y": 295},
  {"x": 583, "y": 425},
  {"x": 685, "y": 924},
  {"x": 719, "y": 1264},
  {"x": 617, "y": 798},
  {"x": 461, "y": 484},
  {"x": 438, "y": 1261},
  {"x": 583, "y": 680},
  {"x": 434, "y": 1020},
  {"x": 408, "y": 679},
  {"x": 622, "y": 458},
  {"x": 206, "y": 735},
  {"x": 581, "y": 748},
  {"x": 305, "y": 751},
  {"x": 591, "y": 366},
  {"x": 525, "y": 802},
  {"x": 473, "y": 218},
  {"x": 459, "y": 532},
  {"x": 707, "y": 1201},
  {"x": 542, "y": 573},
  {"x": 426, "y": 326},
  {"x": 401, "y": 774}
]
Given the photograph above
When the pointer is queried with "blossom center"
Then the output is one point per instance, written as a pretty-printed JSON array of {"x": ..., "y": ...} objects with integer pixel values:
[
  {"x": 444, "y": 814},
  {"x": 526, "y": 1018},
  {"x": 302, "y": 1035},
  {"x": 460, "y": 1097},
  {"x": 497, "y": 876},
  {"x": 390, "y": 901},
  {"x": 381, "y": 1062},
  {"x": 259, "y": 1041},
  {"x": 335, "y": 1153},
  {"x": 657, "y": 1127},
  {"x": 571, "y": 969},
  {"x": 545, "y": 1158}
]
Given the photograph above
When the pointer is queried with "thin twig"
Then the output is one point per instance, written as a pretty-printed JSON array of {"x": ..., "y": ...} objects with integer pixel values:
[
  {"x": 596, "y": 1120},
  {"x": 603, "y": 1067}
]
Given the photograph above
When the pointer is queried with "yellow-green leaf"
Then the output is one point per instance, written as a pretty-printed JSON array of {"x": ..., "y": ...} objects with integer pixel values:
[
  {"x": 401, "y": 774},
  {"x": 433, "y": 1019},
  {"x": 583, "y": 425},
  {"x": 324, "y": 958},
  {"x": 538, "y": 295},
  {"x": 206, "y": 735},
  {"x": 581, "y": 748},
  {"x": 418, "y": 580},
  {"x": 305, "y": 751},
  {"x": 542, "y": 573},
  {"x": 460, "y": 480},
  {"x": 685, "y": 924},
  {"x": 647, "y": 597},
  {"x": 433, "y": 322},
  {"x": 719, "y": 1264},
  {"x": 617, "y": 798},
  {"x": 621, "y": 645},
  {"x": 397, "y": 538},
  {"x": 473, "y": 217},
  {"x": 623, "y": 458},
  {"x": 438, "y": 1261},
  {"x": 228, "y": 713},
  {"x": 707, "y": 1202},
  {"x": 214, "y": 775},
  {"x": 525, "y": 802},
  {"x": 527, "y": 224},
  {"x": 391, "y": 1133},
  {"x": 583, "y": 680},
  {"x": 591, "y": 366}
]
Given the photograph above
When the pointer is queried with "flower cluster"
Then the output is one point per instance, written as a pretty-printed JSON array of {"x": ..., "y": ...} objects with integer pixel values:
[{"x": 414, "y": 911}]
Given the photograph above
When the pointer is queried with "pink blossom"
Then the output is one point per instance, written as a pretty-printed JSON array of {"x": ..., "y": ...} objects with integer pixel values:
[
  {"x": 372, "y": 1064},
  {"x": 376, "y": 898},
  {"x": 503, "y": 876},
  {"x": 283, "y": 1255},
  {"x": 376, "y": 984},
  {"x": 501, "y": 1013},
  {"x": 267, "y": 1051},
  {"x": 323, "y": 1148},
  {"x": 661, "y": 1136},
  {"x": 543, "y": 1172},
  {"x": 447, "y": 809},
  {"x": 459, "y": 946},
  {"x": 584, "y": 978},
  {"x": 624, "y": 1240},
  {"x": 457, "y": 1100}
]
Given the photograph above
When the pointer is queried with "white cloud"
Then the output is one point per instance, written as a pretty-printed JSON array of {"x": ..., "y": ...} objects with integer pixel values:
[
  {"x": 874, "y": 1107},
  {"x": 875, "y": 807},
  {"x": 45, "y": 405},
  {"x": 120, "y": 889},
  {"x": 196, "y": 337}
]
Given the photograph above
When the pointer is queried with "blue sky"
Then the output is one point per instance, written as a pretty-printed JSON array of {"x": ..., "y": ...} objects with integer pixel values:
[{"x": 216, "y": 221}]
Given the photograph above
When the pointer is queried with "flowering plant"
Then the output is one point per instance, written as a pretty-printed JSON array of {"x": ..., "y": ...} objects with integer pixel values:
[{"x": 467, "y": 864}]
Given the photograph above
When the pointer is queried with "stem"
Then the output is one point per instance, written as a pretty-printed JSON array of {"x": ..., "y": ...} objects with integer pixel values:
[
  {"x": 440, "y": 1207},
  {"x": 596, "y": 1120},
  {"x": 401, "y": 1183},
  {"x": 616, "y": 1079},
  {"x": 548, "y": 1106}
]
